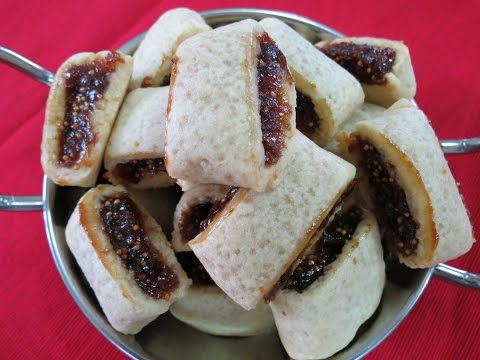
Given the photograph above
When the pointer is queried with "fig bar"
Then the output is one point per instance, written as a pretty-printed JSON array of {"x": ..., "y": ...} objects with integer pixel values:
[
  {"x": 341, "y": 285},
  {"x": 257, "y": 237},
  {"x": 382, "y": 66},
  {"x": 326, "y": 93},
  {"x": 206, "y": 307},
  {"x": 231, "y": 114},
  {"x": 125, "y": 257},
  {"x": 152, "y": 62},
  {"x": 419, "y": 209},
  {"x": 134, "y": 156},
  {"x": 82, "y": 105}
]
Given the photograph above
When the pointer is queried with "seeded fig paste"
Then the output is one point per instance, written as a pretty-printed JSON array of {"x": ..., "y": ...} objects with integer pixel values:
[
  {"x": 191, "y": 218},
  {"x": 194, "y": 268},
  {"x": 192, "y": 222},
  {"x": 134, "y": 171},
  {"x": 189, "y": 226},
  {"x": 284, "y": 279},
  {"x": 328, "y": 247},
  {"x": 392, "y": 211},
  {"x": 124, "y": 226},
  {"x": 369, "y": 64},
  {"x": 217, "y": 207},
  {"x": 306, "y": 118},
  {"x": 275, "y": 109},
  {"x": 85, "y": 84}
]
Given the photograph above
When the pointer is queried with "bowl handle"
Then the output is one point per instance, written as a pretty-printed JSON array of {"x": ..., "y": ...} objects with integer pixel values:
[
  {"x": 460, "y": 146},
  {"x": 21, "y": 203},
  {"x": 12, "y": 202},
  {"x": 26, "y": 66},
  {"x": 457, "y": 276}
]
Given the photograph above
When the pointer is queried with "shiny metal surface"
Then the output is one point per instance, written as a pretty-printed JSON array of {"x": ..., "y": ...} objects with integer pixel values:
[
  {"x": 457, "y": 276},
  {"x": 21, "y": 203},
  {"x": 460, "y": 146},
  {"x": 26, "y": 66},
  {"x": 166, "y": 338}
]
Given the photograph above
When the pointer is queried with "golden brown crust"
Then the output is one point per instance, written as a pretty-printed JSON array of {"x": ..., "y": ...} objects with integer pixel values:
[
  {"x": 88, "y": 225},
  {"x": 173, "y": 79},
  {"x": 431, "y": 240}
]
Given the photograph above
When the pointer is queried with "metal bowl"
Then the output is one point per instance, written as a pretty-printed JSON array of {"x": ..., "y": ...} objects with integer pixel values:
[{"x": 167, "y": 338}]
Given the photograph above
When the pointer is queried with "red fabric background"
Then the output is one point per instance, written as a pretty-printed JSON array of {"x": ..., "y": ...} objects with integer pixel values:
[{"x": 39, "y": 318}]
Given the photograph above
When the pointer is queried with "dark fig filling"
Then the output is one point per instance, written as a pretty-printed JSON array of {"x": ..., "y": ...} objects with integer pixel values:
[
  {"x": 191, "y": 218},
  {"x": 85, "y": 85},
  {"x": 391, "y": 207},
  {"x": 194, "y": 268},
  {"x": 275, "y": 109},
  {"x": 306, "y": 118},
  {"x": 123, "y": 223},
  {"x": 135, "y": 170},
  {"x": 284, "y": 279},
  {"x": 369, "y": 64},
  {"x": 326, "y": 250},
  {"x": 192, "y": 222},
  {"x": 217, "y": 207}
]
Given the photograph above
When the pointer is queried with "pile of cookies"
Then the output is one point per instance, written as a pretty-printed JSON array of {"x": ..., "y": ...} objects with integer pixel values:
[{"x": 303, "y": 167}]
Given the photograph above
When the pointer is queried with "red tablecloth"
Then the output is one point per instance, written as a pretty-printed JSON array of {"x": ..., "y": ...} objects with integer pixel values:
[{"x": 39, "y": 318}]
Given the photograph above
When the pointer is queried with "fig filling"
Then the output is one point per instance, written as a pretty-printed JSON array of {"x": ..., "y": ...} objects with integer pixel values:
[
  {"x": 123, "y": 223},
  {"x": 326, "y": 250},
  {"x": 369, "y": 64},
  {"x": 306, "y": 118},
  {"x": 85, "y": 85},
  {"x": 146, "y": 82},
  {"x": 393, "y": 213},
  {"x": 135, "y": 170},
  {"x": 192, "y": 222},
  {"x": 284, "y": 279},
  {"x": 217, "y": 207},
  {"x": 275, "y": 110},
  {"x": 194, "y": 268},
  {"x": 191, "y": 218}
]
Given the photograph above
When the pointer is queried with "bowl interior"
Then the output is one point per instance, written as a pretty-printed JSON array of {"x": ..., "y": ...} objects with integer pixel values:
[{"x": 166, "y": 337}]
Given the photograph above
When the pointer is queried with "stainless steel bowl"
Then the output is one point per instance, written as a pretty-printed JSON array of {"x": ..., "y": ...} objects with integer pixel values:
[{"x": 167, "y": 338}]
